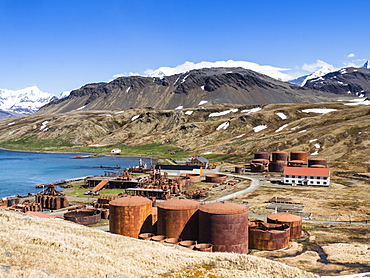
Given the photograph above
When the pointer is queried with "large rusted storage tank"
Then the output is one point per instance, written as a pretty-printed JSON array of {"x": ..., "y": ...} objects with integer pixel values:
[
  {"x": 239, "y": 169},
  {"x": 279, "y": 156},
  {"x": 317, "y": 161},
  {"x": 294, "y": 222},
  {"x": 277, "y": 166},
  {"x": 216, "y": 178},
  {"x": 83, "y": 216},
  {"x": 192, "y": 177},
  {"x": 262, "y": 155},
  {"x": 130, "y": 216},
  {"x": 178, "y": 218},
  {"x": 298, "y": 155},
  {"x": 267, "y": 236},
  {"x": 225, "y": 225}
]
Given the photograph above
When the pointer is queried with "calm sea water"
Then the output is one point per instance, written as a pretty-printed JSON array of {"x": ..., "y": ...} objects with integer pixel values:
[{"x": 21, "y": 171}]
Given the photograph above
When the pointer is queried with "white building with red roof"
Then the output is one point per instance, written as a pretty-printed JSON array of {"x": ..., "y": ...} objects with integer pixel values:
[{"x": 307, "y": 176}]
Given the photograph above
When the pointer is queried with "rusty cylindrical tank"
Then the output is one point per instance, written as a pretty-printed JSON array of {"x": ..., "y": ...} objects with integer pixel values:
[
  {"x": 239, "y": 169},
  {"x": 178, "y": 218},
  {"x": 298, "y": 155},
  {"x": 225, "y": 225},
  {"x": 262, "y": 155},
  {"x": 317, "y": 161},
  {"x": 130, "y": 216},
  {"x": 294, "y": 222},
  {"x": 282, "y": 156},
  {"x": 297, "y": 163},
  {"x": 191, "y": 177},
  {"x": 83, "y": 216},
  {"x": 277, "y": 166},
  {"x": 216, "y": 178},
  {"x": 267, "y": 236}
]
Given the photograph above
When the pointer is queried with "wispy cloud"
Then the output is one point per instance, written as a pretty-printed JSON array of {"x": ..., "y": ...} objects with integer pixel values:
[
  {"x": 317, "y": 65},
  {"x": 351, "y": 55},
  {"x": 271, "y": 71}
]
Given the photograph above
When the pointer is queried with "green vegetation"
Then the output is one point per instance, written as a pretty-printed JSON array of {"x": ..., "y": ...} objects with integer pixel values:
[{"x": 32, "y": 143}]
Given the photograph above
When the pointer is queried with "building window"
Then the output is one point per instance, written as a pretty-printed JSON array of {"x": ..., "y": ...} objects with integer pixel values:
[
  {"x": 318, "y": 182},
  {"x": 324, "y": 182},
  {"x": 293, "y": 177},
  {"x": 325, "y": 178}
]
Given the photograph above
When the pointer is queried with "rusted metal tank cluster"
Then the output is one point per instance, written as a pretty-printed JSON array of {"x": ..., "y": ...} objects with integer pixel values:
[
  {"x": 103, "y": 202},
  {"x": 293, "y": 221},
  {"x": 222, "y": 226},
  {"x": 216, "y": 178},
  {"x": 83, "y": 216},
  {"x": 280, "y": 160},
  {"x": 267, "y": 236}
]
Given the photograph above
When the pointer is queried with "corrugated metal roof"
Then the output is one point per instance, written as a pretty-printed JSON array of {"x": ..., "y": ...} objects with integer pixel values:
[{"x": 307, "y": 171}]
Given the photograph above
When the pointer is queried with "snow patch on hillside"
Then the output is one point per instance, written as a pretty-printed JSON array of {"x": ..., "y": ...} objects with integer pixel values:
[
  {"x": 253, "y": 110},
  {"x": 135, "y": 117},
  {"x": 259, "y": 128},
  {"x": 217, "y": 114},
  {"x": 281, "y": 128},
  {"x": 189, "y": 112},
  {"x": 202, "y": 102},
  {"x": 281, "y": 115},
  {"x": 223, "y": 126},
  {"x": 319, "y": 110}
]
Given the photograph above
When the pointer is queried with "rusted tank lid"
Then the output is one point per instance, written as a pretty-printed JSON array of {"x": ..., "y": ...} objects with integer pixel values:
[
  {"x": 223, "y": 208},
  {"x": 179, "y": 204},
  {"x": 130, "y": 201},
  {"x": 284, "y": 217}
]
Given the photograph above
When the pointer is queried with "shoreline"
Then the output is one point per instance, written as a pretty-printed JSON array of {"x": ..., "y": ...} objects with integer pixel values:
[{"x": 64, "y": 152}]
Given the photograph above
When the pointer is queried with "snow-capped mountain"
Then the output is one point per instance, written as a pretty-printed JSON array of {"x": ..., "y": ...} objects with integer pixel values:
[
  {"x": 301, "y": 81},
  {"x": 274, "y": 72},
  {"x": 366, "y": 65},
  {"x": 25, "y": 101}
]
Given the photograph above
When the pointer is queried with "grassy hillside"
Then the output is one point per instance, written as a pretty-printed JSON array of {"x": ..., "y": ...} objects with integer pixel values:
[
  {"x": 230, "y": 132},
  {"x": 36, "y": 247}
]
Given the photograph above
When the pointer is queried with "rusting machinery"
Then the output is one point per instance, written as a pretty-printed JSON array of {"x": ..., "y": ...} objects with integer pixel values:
[
  {"x": 12, "y": 201},
  {"x": 299, "y": 155},
  {"x": 317, "y": 163},
  {"x": 83, "y": 216},
  {"x": 293, "y": 221},
  {"x": 225, "y": 225},
  {"x": 179, "y": 218},
  {"x": 27, "y": 205},
  {"x": 103, "y": 202},
  {"x": 262, "y": 155},
  {"x": 267, "y": 236},
  {"x": 51, "y": 198},
  {"x": 130, "y": 216},
  {"x": 259, "y": 165},
  {"x": 216, "y": 178},
  {"x": 196, "y": 194}
]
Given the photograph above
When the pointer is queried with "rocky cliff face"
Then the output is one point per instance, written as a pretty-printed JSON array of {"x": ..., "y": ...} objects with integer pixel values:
[
  {"x": 347, "y": 81},
  {"x": 187, "y": 90}
]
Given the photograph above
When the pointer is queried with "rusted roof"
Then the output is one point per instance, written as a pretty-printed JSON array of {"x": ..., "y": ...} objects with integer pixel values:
[
  {"x": 223, "y": 208},
  {"x": 130, "y": 201},
  {"x": 284, "y": 217},
  {"x": 179, "y": 204},
  {"x": 307, "y": 171}
]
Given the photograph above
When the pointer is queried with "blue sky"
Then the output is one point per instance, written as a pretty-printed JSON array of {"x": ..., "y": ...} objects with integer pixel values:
[{"x": 62, "y": 45}]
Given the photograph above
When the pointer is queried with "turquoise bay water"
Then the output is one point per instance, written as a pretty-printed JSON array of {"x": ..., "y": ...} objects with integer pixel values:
[{"x": 21, "y": 171}]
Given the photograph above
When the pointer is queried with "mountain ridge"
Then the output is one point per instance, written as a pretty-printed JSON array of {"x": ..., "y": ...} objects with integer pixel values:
[{"x": 211, "y": 85}]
